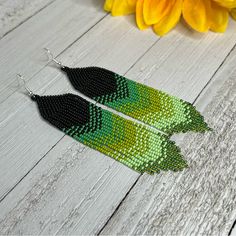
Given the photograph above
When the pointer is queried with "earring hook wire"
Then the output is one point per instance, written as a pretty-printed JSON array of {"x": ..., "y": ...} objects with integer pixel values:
[
  {"x": 29, "y": 91},
  {"x": 52, "y": 58}
]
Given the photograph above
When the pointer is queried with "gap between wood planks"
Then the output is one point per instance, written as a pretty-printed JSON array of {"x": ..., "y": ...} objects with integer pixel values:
[
  {"x": 232, "y": 230},
  {"x": 207, "y": 84}
]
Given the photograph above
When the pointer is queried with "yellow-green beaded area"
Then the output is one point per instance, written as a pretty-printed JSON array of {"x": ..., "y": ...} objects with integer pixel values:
[{"x": 137, "y": 146}]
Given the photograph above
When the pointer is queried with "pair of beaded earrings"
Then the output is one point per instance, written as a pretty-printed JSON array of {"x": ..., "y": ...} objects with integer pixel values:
[{"x": 143, "y": 148}]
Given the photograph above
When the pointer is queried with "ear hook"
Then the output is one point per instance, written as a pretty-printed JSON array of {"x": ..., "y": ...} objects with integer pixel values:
[
  {"x": 52, "y": 58},
  {"x": 30, "y": 93}
]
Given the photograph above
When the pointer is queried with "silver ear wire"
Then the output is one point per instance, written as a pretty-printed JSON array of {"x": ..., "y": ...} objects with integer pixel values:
[
  {"x": 30, "y": 93},
  {"x": 52, "y": 58}
]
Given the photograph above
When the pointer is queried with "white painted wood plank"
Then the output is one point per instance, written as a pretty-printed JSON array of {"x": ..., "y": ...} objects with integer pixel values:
[
  {"x": 201, "y": 200},
  {"x": 233, "y": 233},
  {"x": 61, "y": 189},
  {"x": 14, "y": 12},
  {"x": 58, "y": 25},
  {"x": 88, "y": 218}
]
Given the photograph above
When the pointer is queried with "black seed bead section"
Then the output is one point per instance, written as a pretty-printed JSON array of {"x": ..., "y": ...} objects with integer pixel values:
[
  {"x": 65, "y": 111},
  {"x": 88, "y": 80}
]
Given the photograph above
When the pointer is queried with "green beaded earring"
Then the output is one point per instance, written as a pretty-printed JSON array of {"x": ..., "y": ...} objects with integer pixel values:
[
  {"x": 164, "y": 112},
  {"x": 135, "y": 145}
]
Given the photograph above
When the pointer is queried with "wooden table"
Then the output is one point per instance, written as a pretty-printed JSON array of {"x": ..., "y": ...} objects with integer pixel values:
[{"x": 51, "y": 184}]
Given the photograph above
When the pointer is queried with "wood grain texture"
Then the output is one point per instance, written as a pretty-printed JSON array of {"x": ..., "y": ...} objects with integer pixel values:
[
  {"x": 233, "y": 232},
  {"x": 202, "y": 199},
  {"x": 51, "y": 184},
  {"x": 54, "y": 202},
  {"x": 14, "y": 12},
  {"x": 21, "y": 50}
]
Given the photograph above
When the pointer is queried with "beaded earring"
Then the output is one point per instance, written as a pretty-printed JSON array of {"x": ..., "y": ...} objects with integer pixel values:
[
  {"x": 164, "y": 112},
  {"x": 135, "y": 145}
]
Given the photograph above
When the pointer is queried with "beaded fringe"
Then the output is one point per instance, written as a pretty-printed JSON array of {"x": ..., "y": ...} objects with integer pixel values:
[
  {"x": 167, "y": 113},
  {"x": 137, "y": 146}
]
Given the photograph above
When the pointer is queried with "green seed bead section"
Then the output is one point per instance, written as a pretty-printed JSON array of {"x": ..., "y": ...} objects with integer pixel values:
[
  {"x": 167, "y": 113},
  {"x": 137, "y": 146}
]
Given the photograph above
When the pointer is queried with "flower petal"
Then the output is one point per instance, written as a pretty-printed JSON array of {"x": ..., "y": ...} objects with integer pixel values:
[
  {"x": 196, "y": 14},
  {"x": 220, "y": 18},
  {"x": 155, "y": 10},
  {"x": 170, "y": 20},
  {"x": 123, "y": 7},
  {"x": 233, "y": 13},
  {"x": 139, "y": 15},
  {"x": 226, "y": 3},
  {"x": 108, "y": 5}
]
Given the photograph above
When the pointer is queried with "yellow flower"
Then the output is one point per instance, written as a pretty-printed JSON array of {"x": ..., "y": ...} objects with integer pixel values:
[
  {"x": 120, "y": 7},
  {"x": 233, "y": 13},
  {"x": 163, "y": 15}
]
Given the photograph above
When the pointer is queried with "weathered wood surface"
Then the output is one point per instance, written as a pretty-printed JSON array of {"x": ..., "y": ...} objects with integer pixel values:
[
  {"x": 51, "y": 184},
  {"x": 15, "y": 12}
]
